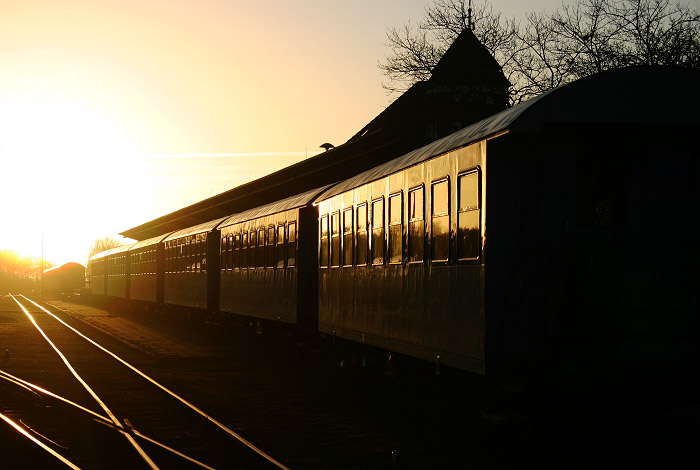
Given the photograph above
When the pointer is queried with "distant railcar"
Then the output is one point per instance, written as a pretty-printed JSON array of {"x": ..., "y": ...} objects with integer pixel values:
[{"x": 63, "y": 279}]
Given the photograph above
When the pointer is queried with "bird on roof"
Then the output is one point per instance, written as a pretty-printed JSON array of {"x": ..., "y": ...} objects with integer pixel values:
[{"x": 327, "y": 146}]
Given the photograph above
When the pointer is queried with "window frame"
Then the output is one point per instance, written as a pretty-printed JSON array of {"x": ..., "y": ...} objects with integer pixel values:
[
  {"x": 335, "y": 231},
  {"x": 291, "y": 245},
  {"x": 434, "y": 216},
  {"x": 383, "y": 233},
  {"x": 389, "y": 259},
  {"x": 464, "y": 210},
  {"x": 327, "y": 238},
  {"x": 344, "y": 235},
  {"x": 366, "y": 231}
]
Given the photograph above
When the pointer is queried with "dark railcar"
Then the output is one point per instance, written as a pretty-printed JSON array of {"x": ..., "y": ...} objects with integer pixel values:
[
  {"x": 401, "y": 263},
  {"x": 117, "y": 272},
  {"x": 267, "y": 261},
  {"x": 97, "y": 280},
  {"x": 191, "y": 266},
  {"x": 586, "y": 197},
  {"x": 147, "y": 263},
  {"x": 63, "y": 279}
]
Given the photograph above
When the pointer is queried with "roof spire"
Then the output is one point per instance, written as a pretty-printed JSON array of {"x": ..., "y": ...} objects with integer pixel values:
[{"x": 470, "y": 25}]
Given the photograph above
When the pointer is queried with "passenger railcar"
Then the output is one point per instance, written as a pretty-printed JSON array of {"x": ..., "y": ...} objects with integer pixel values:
[
  {"x": 191, "y": 266},
  {"x": 401, "y": 262},
  {"x": 97, "y": 280},
  {"x": 591, "y": 228},
  {"x": 117, "y": 272},
  {"x": 147, "y": 269},
  {"x": 268, "y": 262}
]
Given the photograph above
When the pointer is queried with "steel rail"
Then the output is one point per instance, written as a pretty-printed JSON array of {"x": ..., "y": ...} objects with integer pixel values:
[
  {"x": 171, "y": 393},
  {"x": 19, "y": 429},
  {"x": 35, "y": 388},
  {"x": 96, "y": 416},
  {"x": 113, "y": 418}
]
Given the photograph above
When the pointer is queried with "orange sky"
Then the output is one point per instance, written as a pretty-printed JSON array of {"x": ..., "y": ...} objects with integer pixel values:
[{"x": 220, "y": 91}]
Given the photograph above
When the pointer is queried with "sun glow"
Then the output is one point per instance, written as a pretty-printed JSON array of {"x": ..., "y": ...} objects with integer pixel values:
[{"x": 59, "y": 157}]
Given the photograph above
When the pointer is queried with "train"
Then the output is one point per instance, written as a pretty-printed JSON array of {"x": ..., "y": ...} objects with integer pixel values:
[{"x": 560, "y": 233}]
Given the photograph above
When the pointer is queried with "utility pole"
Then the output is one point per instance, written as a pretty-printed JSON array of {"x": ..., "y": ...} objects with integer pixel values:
[{"x": 42, "y": 264}]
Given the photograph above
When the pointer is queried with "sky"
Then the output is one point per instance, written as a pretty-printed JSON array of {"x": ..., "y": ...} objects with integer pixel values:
[{"x": 115, "y": 112}]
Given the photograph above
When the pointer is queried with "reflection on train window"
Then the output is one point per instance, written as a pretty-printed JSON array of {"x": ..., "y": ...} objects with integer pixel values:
[
  {"x": 335, "y": 239},
  {"x": 362, "y": 239},
  {"x": 416, "y": 225},
  {"x": 468, "y": 234},
  {"x": 395, "y": 228},
  {"x": 270, "y": 247},
  {"x": 203, "y": 254},
  {"x": 237, "y": 251},
  {"x": 244, "y": 250},
  {"x": 231, "y": 263},
  {"x": 324, "y": 245},
  {"x": 347, "y": 237},
  {"x": 253, "y": 249},
  {"x": 378, "y": 231},
  {"x": 224, "y": 252},
  {"x": 291, "y": 244},
  {"x": 261, "y": 248},
  {"x": 280, "y": 247},
  {"x": 440, "y": 230}
]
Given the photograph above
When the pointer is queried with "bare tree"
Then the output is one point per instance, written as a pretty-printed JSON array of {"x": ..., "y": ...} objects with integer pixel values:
[
  {"x": 579, "y": 39},
  {"x": 103, "y": 244}
]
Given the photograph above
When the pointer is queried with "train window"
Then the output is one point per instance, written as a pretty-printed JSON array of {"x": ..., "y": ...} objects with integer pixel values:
[
  {"x": 440, "y": 230},
  {"x": 253, "y": 249},
  {"x": 378, "y": 231},
  {"x": 468, "y": 219},
  {"x": 323, "y": 257},
  {"x": 261, "y": 248},
  {"x": 335, "y": 239},
  {"x": 396, "y": 228},
  {"x": 203, "y": 251},
  {"x": 280, "y": 251},
  {"x": 291, "y": 244},
  {"x": 361, "y": 231},
  {"x": 347, "y": 237},
  {"x": 270, "y": 247},
  {"x": 416, "y": 225},
  {"x": 237, "y": 251},
  {"x": 224, "y": 251},
  {"x": 244, "y": 250},
  {"x": 229, "y": 252}
]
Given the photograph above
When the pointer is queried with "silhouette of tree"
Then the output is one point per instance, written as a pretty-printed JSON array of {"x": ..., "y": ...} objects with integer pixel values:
[
  {"x": 18, "y": 274},
  {"x": 103, "y": 244},
  {"x": 581, "y": 38}
]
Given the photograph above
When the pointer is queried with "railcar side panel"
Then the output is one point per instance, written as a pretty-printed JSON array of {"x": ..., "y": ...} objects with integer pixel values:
[
  {"x": 259, "y": 267},
  {"x": 414, "y": 293}
]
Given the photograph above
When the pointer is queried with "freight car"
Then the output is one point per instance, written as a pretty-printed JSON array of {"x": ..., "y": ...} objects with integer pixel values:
[
  {"x": 63, "y": 280},
  {"x": 562, "y": 230}
]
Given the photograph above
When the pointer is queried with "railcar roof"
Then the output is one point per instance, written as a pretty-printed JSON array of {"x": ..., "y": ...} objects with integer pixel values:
[
  {"x": 195, "y": 229},
  {"x": 289, "y": 203},
  {"x": 663, "y": 95},
  {"x": 150, "y": 241},
  {"x": 111, "y": 251}
]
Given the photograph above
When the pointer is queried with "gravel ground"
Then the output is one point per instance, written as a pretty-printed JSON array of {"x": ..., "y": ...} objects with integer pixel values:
[{"x": 295, "y": 401}]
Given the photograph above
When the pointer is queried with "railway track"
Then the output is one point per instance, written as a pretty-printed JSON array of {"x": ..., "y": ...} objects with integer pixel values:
[{"x": 89, "y": 408}]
